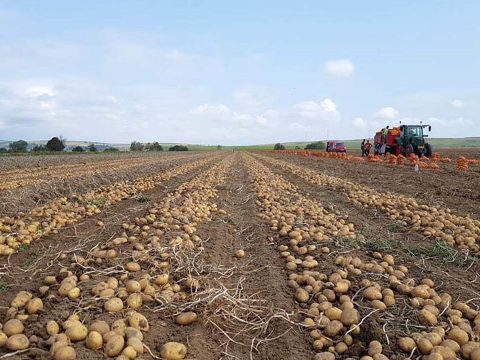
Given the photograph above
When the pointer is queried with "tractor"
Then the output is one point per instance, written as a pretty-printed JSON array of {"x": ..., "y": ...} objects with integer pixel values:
[{"x": 404, "y": 139}]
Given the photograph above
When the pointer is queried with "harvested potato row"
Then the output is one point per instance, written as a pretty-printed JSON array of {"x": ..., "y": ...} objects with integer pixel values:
[
  {"x": 42, "y": 221},
  {"x": 439, "y": 223},
  {"x": 143, "y": 255},
  {"x": 13, "y": 179},
  {"x": 339, "y": 292}
]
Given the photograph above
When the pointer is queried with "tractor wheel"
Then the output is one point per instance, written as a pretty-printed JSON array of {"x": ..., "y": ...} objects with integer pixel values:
[
  {"x": 409, "y": 150},
  {"x": 428, "y": 150}
]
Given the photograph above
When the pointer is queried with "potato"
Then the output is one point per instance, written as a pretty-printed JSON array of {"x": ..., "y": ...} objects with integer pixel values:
[
  {"x": 425, "y": 346},
  {"x": 13, "y": 327},
  {"x": 34, "y": 306},
  {"x": 458, "y": 335},
  {"x": 375, "y": 347},
  {"x": 240, "y": 254},
  {"x": 341, "y": 347},
  {"x": 446, "y": 352},
  {"x": 333, "y": 328},
  {"x": 133, "y": 286},
  {"x": 131, "y": 332},
  {"x": 372, "y": 293},
  {"x": 129, "y": 352},
  {"x": 65, "y": 353},
  {"x": 333, "y": 313},
  {"x": 133, "y": 267},
  {"x": 406, "y": 344},
  {"x": 3, "y": 339},
  {"x": 99, "y": 326},
  {"x": 349, "y": 317},
  {"x": 380, "y": 305},
  {"x": 113, "y": 305},
  {"x": 173, "y": 351},
  {"x": 301, "y": 295},
  {"x": 421, "y": 291},
  {"x": 52, "y": 327},
  {"x": 468, "y": 348},
  {"x": 17, "y": 342},
  {"x": 324, "y": 356},
  {"x": 138, "y": 321},
  {"x": 161, "y": 279},
  {"x": 114, "y": 345},
  {"x": 73, "y": 293},
  {"x": 136, "y": 344},
  {"x": 475, "y": 354},
  {"x": 77, "y": 332},
  {"x": 94, "y": 340},
  {"x": 451, "y": 344},
  {"x": 427, "y": 318},
  {"x": 186, "y": 318},
  {"x": 134, "y": 301},
  {"x": 21, "y": 299},
  {"x": 434, "y": 338}
]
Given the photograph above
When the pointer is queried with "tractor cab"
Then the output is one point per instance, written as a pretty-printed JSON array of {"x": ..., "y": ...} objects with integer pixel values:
[{"x": 412, "y": 140}]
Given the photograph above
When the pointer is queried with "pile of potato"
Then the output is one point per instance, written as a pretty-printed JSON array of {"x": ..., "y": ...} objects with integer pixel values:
[
  {"x": 143, "y": 254},
  {"x": 440, "y": 223},
  {"x": 337, "y": 292},
  {"x": 42, "y": 221}
]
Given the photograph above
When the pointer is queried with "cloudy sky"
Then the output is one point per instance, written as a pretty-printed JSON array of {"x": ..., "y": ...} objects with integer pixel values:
[{"x": 238, "y": 72}]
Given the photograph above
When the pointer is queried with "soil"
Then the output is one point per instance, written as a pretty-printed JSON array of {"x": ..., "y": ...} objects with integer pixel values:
[
  {"x": 260, "y": 276},
  {"x": 460, "y": 192}
]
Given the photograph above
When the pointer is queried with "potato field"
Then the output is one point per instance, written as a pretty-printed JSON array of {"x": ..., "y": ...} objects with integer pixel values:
[{"x": 263, "y": 255}]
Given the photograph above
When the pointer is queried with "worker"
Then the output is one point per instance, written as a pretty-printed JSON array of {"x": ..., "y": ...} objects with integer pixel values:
[
  {"x": 367, "y": 147},
  {"x": 385, "y": 132},
  {"x": 362, "y": 147}
]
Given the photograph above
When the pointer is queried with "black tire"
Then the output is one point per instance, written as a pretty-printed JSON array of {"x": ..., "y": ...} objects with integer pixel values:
[{"x": 428, "y": 150}]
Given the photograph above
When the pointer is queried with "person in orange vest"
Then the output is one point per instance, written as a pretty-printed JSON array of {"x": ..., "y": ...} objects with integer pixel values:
[{"x": 367, "y": 147}]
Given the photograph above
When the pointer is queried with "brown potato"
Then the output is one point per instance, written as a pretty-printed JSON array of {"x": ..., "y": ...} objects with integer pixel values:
[
  {"x": 186, "y": 318},
  {"x": 173, "y": 351}
]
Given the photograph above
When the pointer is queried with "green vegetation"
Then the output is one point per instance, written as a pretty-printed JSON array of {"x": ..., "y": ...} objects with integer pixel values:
[
  {"x": 317, "y": 145},
  {"x": 178, "y": 148}
]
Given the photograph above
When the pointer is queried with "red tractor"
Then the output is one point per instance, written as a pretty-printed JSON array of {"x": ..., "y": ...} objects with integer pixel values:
[{"x": 405, "y": 140}]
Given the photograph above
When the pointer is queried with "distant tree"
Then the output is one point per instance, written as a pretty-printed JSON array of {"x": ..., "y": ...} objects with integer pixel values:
[
  {"x": 219, "y": 147},
  {"x": 279, "y": 146},
  {"x": 3, "y": 150},
  {"x": 18, "y": 146},
  {"x": 136, "y": 146},
  {"x": 39, "y": 148},
  {"x": 56, "y": 144},
  {"x": 92, "y": 148},
  {"x": 178, "y": 148},
  {"x": 154, "y": 147},
  {"x": 111, "y": 149},
  {"x": 297, "y": 147},
  {"x": 78, "y": 149},
  {"x": 317, "y": 145}
]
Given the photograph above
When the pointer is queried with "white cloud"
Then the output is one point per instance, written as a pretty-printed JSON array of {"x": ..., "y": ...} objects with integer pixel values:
[
  {"x": 457, "y": 103},
  {"x": 312, "y": 109},
  {"x": 339, "y": 68},
  {"x": 387, "y": 113},
  {"x": 359, "y": 123},
  {"x": 211, "y": 110}
]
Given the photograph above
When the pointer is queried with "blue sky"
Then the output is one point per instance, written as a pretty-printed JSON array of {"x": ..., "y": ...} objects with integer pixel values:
[{"x": 236, "y": 72}]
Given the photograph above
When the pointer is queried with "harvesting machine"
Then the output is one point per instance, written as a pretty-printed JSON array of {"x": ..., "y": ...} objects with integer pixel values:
[{"x": 404, "y": 139}]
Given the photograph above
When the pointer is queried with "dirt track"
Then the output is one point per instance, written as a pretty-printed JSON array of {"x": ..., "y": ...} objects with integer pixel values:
[{"x": 247, "y": 306}]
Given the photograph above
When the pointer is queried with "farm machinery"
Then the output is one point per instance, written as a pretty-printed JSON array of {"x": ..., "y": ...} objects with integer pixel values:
[{"x": 404, "y": 139}]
